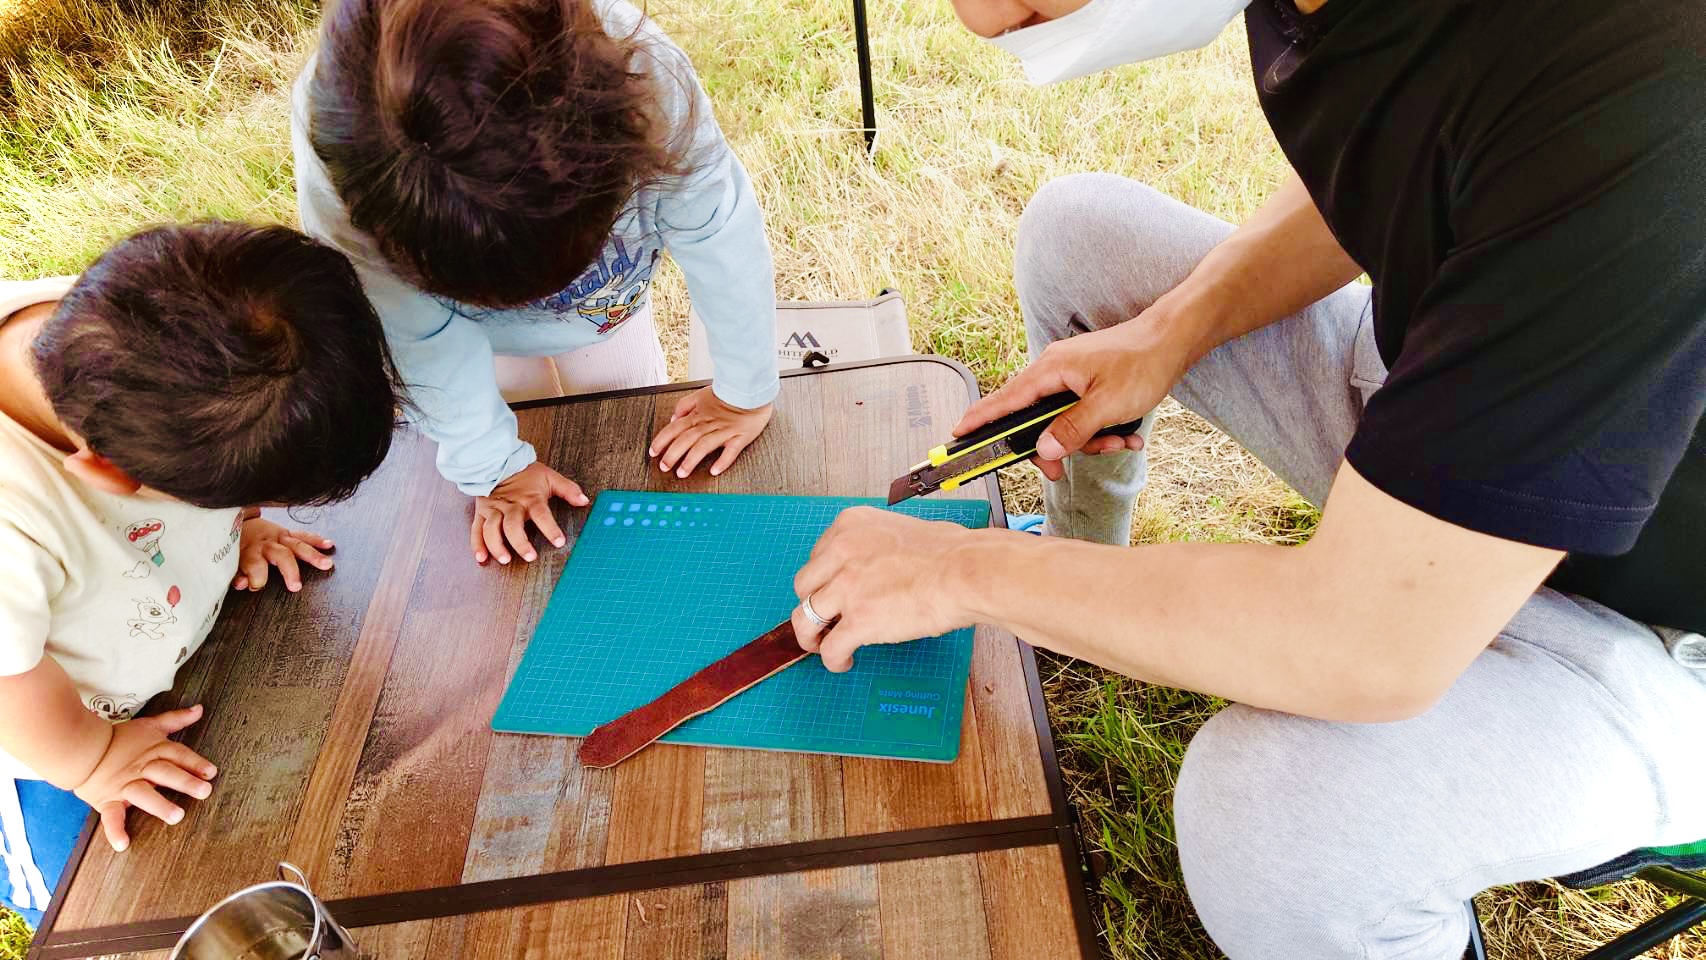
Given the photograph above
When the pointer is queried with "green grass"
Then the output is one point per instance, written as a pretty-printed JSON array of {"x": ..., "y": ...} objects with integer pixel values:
[
  {"x": 1122, "y": 743},
  {"x": 14, "y": 936},
  {"x": 155, "y": 110}
]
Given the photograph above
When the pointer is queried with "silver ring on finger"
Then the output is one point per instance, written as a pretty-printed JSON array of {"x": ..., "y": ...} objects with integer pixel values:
[{"x": 811, "y": 614}]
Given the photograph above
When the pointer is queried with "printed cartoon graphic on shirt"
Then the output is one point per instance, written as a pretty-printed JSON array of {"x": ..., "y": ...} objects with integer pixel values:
[
  {"x": 231, "y": 543},
  {"x": 152, "y": 616},
  {"x": 610, "y": 289},
  {"x": 605, "y": 294},
  {"x": 121, "y": 707},
  {"x": 605, "y": 306},
  {"x": 145, "y": 536}
]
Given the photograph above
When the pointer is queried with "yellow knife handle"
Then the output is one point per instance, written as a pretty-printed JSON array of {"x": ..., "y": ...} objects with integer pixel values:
[
  {"x": 954, "y": 482},
  {"x": 1038, "y": 415}
]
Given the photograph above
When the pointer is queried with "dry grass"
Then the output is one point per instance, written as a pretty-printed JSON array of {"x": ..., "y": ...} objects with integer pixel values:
[
  {"x": 167, "y": 109},
  {"x": 964, "y": 143},
  {"x": 144, "y": 121}
]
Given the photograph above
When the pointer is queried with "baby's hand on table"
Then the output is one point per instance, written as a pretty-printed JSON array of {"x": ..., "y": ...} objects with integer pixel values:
[
  {"x": 503, "y": 514},
  {"x": 702, "y": 423},
  {"x": 266, "y": 544},
  {"x": 138, "y": 760}
]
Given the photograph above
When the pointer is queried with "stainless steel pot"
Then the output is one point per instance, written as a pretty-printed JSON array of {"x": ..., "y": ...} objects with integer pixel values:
[{"x": 269, "y": 921}]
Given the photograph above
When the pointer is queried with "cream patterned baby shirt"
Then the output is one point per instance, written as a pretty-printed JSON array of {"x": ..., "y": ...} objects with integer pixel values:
[{"x": 120, "y": 591}]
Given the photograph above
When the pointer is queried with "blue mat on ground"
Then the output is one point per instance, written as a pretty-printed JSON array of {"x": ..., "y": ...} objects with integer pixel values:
[
  {"x": 659, "y": 585},
  {"x": 53, "y": 818}
]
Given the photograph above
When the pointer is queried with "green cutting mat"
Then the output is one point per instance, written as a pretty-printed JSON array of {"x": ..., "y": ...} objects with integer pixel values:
[{"x": 661, "y": 584}]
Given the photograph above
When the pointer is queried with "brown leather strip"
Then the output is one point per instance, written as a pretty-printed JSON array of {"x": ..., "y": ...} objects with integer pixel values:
[
  {"x": 471, "y": 898},
  {"x": 630, "y": 733}
]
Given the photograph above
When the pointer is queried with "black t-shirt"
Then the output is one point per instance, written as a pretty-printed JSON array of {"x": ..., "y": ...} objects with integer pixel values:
[{"x": 1525, "y": 183}]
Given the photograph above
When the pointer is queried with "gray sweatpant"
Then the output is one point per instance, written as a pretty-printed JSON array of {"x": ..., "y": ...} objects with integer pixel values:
[{"x": 1572, "y": 739}]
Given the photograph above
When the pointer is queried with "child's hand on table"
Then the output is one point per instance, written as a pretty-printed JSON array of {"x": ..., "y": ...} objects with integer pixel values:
[
  {"x": 702, "y": 423},
  {"x": 503, "y": 514},
  {"x": 138, "y": 760},
  {"x": 266, "y": 544}
]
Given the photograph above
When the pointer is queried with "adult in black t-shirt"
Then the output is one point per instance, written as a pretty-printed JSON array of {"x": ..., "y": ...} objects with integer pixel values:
[{"x": 1477, "y": 671}]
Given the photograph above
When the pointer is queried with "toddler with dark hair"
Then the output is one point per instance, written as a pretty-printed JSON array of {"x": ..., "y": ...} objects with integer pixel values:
[
  {"x": 147, "y": 409},
  {"x": 506, "y": 175}
]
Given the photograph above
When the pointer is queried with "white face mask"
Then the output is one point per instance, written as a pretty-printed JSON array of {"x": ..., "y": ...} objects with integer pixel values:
[{"x": 1109, "y": 33}]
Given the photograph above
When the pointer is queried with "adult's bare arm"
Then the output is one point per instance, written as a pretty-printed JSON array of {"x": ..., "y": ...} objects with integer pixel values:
[
  {"x": 1372, "y": 620},
  {"x": 1281, "y": 259}
]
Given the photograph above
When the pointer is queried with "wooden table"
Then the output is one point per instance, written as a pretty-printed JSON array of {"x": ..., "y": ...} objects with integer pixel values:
[{"x": 351, "y": 722}]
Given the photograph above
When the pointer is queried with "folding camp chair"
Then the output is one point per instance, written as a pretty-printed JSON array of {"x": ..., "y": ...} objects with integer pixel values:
[{"x": 1675, "y": 869}]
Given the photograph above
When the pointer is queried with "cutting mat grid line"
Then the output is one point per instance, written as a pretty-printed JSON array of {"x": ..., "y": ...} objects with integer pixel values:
[{"x": 659, "y": 585}]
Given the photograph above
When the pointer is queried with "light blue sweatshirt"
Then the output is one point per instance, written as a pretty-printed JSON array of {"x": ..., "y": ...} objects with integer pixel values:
[{"x": 708, "y": 220}]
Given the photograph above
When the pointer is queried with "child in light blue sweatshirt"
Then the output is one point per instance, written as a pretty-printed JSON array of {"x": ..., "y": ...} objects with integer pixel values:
[{"x": 506, "y": 175}]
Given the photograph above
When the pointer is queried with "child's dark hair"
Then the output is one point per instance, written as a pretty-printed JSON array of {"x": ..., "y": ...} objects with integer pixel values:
[
  {"x": 487, "y": 146},
  {"x": 225, "y": 365}
]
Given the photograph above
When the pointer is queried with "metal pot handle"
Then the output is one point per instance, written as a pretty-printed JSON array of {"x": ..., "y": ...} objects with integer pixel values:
[{"x": 285, "y": 872}]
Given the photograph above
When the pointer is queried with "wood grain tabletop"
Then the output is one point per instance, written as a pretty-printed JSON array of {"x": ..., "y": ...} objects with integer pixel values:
[{"x": 351, "y": 726}]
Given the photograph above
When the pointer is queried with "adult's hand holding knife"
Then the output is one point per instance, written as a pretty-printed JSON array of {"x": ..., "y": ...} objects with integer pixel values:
[
  {"x": 999, "y": 443},
  {"x": 1118, "y": 374},
  {"x": 1041, "y": 415}
]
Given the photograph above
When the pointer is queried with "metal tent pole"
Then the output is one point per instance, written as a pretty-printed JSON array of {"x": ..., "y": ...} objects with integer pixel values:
[{"x": 867, "y": 97}]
